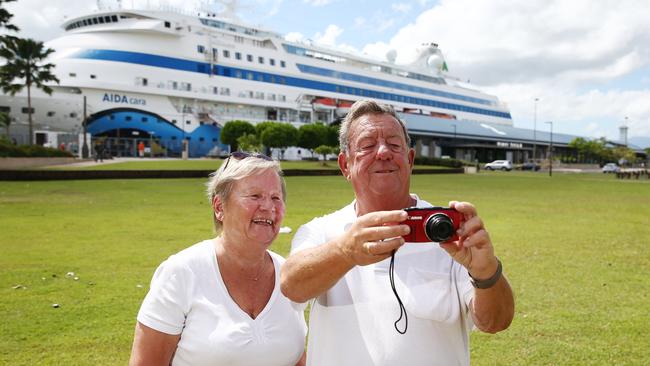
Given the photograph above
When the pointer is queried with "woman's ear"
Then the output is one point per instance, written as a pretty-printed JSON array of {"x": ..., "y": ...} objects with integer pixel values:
[{"x": 217, "y": 207}]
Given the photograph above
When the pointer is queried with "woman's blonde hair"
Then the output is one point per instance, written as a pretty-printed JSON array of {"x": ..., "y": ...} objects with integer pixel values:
[{"x": 239, "y": 165}]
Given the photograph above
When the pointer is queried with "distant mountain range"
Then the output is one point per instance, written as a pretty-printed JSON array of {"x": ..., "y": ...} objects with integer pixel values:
[{"x": 640, "y": 141}]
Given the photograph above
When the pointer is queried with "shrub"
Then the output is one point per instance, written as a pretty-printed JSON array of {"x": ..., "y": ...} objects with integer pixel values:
[
  {"x": 451, "y": 163},
  {"x": 8, "y": 150}
]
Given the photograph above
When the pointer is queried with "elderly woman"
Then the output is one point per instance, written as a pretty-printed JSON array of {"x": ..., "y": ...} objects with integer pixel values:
[{"x": 218, "y": 302}]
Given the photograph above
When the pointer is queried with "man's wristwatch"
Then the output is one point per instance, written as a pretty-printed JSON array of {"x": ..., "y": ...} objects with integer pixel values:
[{"x": 483, "y": 284}]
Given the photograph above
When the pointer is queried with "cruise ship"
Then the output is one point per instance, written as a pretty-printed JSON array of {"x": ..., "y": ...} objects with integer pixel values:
[{"x": 169, "y": 78}]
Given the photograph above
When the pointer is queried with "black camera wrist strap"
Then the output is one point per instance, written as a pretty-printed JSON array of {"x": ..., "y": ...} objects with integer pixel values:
[{"x": 402, "y": 309}]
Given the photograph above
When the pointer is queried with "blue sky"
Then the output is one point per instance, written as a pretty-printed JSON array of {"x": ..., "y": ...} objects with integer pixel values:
[{"x": 587, "y": 62}]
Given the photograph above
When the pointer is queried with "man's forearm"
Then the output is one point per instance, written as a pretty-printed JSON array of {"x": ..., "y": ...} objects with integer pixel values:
[
  {"x": 310, "y": 272},
  {"x": 493, "y": 308}
]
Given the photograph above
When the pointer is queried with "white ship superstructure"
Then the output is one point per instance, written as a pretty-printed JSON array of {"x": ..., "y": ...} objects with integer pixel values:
[{"x": 169, "y": 77}]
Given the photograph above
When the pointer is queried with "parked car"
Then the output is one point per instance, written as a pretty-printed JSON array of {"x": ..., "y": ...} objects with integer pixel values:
[
  {"x": 530, "y": 165},
  {"x": 499, "y": 165},
  {"x": 611, "y": 168}
]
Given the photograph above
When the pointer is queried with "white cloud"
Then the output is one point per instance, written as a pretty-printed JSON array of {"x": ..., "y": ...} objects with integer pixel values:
[
  {"x": 359, "y": 22},
  {"x": 294, "y": 37},
  {"x": 317, "y": 2},
  {"x": 401, "y": 7},
  {"x": 329, "y": 37},
  {"x": 562, "y": 52}
]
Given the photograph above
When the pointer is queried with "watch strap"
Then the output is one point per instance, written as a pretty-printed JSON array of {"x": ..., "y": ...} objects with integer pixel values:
[{"x": 487, "y": 283}]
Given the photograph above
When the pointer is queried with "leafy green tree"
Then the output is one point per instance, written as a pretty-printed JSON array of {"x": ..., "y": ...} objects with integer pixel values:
[
  {"x": 332, "y": 136},
  {"x": 312, "y": 135},
  {"x": 280, "y": 136},
  {"x": 25, "y": 67},
  {"x": 5, "y": 121},
  {"x": 259, "y": 130},
  {"x": 234, "y": 130},
  {"x": 324, "y": 150},
  {"x": 249, "y": 142},
  {"x": 262, "y": 126},
  {"x": 5, "y": 17},
  {"x": 623, "y": 153}
]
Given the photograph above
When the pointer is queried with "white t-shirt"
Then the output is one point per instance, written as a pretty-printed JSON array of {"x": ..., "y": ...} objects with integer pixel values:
[
  {"x": 188, "y": 297},
  {"x": 353, "y": 322}
]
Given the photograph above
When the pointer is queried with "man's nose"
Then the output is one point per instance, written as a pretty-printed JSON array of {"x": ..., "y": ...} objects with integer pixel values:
[{"x": 383, "y": 151}]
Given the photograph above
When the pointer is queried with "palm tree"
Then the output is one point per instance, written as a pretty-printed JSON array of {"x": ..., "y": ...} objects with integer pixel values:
[
  {"x": 24, "y": 68},
  {"x": 6, "y": 16},
  {"x": 5, "y": 120}
]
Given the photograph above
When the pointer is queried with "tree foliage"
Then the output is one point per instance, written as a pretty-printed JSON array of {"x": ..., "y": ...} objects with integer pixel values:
[
  {"x": 598, "y": 151},
  {"x": 24, "y": 67},
  {"x": 5, "y": 17},
  {"x": 5, "y": 121},
  {"x": 233, "y": 130},
  {"x": 332, "y": 135},
  {"x": 324, "y": 150},
  {"x": 312, "y": 135},
  {"x": 262, "y": 126},
  {"x": 280, "y": 135},
  {"x": 249, "y": 142}
]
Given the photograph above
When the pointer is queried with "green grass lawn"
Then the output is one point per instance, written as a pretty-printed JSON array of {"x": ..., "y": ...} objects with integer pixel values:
[{"x": 574, "y": 247}]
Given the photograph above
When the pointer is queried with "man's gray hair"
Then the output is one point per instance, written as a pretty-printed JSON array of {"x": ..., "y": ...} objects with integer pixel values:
[
  {"x": 231, "y": 170},
  {"x": 361, "y": 108}
]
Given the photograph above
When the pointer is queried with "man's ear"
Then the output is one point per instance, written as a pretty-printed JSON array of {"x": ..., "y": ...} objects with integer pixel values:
[
  {"x": 217, "y": 207},
  {"x": 343, "y": 165},
  {"x": 411, "y": 157}
]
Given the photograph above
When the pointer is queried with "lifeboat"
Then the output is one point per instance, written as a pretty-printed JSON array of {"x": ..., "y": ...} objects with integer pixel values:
[
  {"x": 412, "y": 110},
  {"x": 343, "y": 107},
  {"x": 324, "y": 104},
  {"x": 442, "y": 115}
]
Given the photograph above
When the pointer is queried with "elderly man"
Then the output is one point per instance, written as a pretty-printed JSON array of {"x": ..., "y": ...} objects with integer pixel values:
[{"x": 343, "y": 262}]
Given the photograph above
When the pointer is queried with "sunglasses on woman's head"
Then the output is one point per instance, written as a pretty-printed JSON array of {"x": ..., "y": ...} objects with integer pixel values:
[{"x": 239, "y": 155}]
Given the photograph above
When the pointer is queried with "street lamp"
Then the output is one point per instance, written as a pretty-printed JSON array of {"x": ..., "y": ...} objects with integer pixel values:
[
  {"x": 84, "y": 146},
  {"x": 535, "y": 128},
  {"x": 454, "y": 140},
  {"x": 550, "y": 152}
]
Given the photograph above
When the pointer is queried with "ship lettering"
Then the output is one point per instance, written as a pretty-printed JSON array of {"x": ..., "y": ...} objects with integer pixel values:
[{"x": 120, "y": 98}]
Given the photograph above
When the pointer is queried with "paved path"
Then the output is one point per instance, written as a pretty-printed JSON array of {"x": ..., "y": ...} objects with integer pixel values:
[{"x": 90, "y": 162}]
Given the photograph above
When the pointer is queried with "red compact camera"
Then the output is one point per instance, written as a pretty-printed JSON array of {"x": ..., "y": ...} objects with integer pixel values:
[{"x": 432, "y": 224}]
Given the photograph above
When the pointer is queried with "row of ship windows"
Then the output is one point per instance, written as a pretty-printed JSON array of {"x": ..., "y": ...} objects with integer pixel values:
[
  {"x": 331, "y": 58},
  {"x": 387, "y": 83},
  {"x": 184, "y": 86},
  {"x": 92, "y": 21},
  {"x": 25, "y": 110},
  {"x": 238, "y": 56}
]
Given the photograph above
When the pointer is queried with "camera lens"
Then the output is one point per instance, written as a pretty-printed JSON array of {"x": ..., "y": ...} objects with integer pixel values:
[{"x": 439, "y": 228}]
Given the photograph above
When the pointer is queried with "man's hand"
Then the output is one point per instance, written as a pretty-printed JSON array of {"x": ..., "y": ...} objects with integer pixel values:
[
  {"x": 474, "y": 248},
  {"x": 492, "y": 309},
  {"x": 373, "y": 237}
]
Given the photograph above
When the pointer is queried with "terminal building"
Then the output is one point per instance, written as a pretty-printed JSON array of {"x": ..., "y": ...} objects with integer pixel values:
[{"x": 476, "y": 141}]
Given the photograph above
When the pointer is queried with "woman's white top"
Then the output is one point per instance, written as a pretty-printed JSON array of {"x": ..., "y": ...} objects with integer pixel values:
[{"x": 188, "y": 297}]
